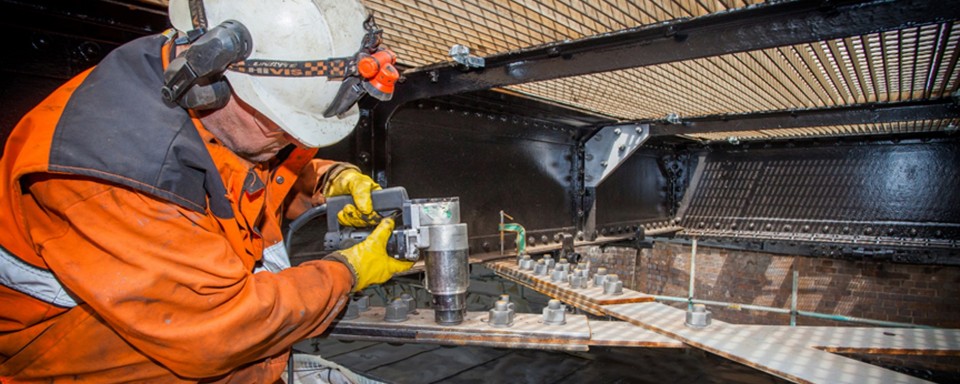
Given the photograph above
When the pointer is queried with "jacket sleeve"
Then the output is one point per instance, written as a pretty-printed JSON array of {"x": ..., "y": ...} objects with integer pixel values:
[
  {"x": 308, "y": 191},
  {"x": 170, "y": 284}
]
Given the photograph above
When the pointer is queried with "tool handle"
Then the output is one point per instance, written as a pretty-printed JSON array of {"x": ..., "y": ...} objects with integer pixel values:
[{"x": 385, "y": 202}]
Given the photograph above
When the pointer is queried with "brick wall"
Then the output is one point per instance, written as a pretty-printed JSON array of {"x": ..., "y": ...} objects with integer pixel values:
[{"x": 916, "y": 294}]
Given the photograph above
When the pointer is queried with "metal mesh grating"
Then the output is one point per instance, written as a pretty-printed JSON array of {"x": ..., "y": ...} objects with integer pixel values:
[
  {"x": 895, "y": 67},
  {"x": 422, "y": 32},
  {"x": 948, "y": 125},
  {"x": 911, "y": 64}
]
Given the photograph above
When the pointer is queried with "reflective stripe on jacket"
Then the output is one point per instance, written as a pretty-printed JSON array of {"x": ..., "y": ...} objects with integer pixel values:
[{"x": 134, "y": 242}]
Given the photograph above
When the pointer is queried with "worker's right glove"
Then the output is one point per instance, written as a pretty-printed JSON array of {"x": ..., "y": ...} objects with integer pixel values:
[{"x": 368, "y": 259}]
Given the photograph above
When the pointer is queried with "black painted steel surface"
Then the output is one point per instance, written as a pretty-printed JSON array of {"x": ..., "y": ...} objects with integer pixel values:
[
  {"x": 863, "y": 194},
  {"x": 492, "y": 162},
  {"x": 637, "y": 192}
]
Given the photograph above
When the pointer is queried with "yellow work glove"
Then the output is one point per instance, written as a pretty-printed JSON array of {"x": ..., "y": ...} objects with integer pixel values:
[
  {"x": 351, "y": 182},
  {"x": 369, "y": 261}
]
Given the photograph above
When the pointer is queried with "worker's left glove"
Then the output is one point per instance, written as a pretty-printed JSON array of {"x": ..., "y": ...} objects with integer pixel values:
[
  {"x": 350, "y": 181},
  {"x": 368, "y": 259}
]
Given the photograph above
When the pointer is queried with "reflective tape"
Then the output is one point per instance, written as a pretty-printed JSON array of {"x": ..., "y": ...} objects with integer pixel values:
[
  {"x": 275, "y": 259},
  {"x": 38, "y": 283}
]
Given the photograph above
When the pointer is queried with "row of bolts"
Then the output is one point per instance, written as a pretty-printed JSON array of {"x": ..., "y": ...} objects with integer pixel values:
[
  {"x": 501, "y": 315},
  {"x": 579, "y": 278},
  {"x": 503, "y": 311}
]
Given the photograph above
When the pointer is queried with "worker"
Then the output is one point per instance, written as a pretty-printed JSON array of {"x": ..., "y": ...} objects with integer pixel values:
[{"x": 141, "y": 202}]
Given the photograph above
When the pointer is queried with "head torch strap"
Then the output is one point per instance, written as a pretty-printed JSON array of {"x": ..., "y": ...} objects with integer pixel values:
[
  {"x": 198, "y": 14},
  {"x": 337, "y": 68}
]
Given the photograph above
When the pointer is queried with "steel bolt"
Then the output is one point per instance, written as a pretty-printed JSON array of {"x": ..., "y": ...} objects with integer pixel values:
[
  {"x": 577, "y": 281},
  {"x": 698, "y": 316},
  {"x": 541, "y": 268},
  {"x": 526, "y": 263},
  {"x": 600, "y": 277},
  {"x": 558, "y": 275},
  {"x": 555, "y": 313},
  {"x": 409, "y": 302},
  {"x": 612, "y": 285},
  {"x": 548, "y": 260},
  {"x": 396, "y": 311},
  {"x": 502, "y": 314}
]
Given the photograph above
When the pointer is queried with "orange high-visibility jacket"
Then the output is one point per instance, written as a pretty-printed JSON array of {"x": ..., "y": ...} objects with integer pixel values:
[{"x": 136, "y": 247}]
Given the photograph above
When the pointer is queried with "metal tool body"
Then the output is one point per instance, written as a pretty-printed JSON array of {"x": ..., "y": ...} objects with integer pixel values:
[{"x": 425, "y": 228}]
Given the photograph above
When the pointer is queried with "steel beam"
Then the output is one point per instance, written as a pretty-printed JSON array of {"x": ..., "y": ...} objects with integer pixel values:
[
  {"x": 748, "y": 29},
  {"x": 858, "y": 114}
]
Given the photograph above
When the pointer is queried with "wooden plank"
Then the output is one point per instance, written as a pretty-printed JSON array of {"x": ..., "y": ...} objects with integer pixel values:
[
  {"x": 562, "y": 291},
  {"x": 800, "y": 354},
  {"x": 757, "y": 347},
  {"x": 888, "y": 341},
  {"x": 528, "y": 331},
  {"x": 624, "y": 334}
]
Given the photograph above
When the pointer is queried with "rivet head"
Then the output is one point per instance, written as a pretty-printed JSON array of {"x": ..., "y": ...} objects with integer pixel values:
[{"x": 280, "y": 180}]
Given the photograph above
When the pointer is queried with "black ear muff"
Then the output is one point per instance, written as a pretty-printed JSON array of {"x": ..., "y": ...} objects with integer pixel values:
[{"x": 194, "y": 80}]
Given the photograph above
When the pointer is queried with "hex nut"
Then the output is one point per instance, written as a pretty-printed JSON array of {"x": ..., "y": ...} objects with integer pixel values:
[
  {"x": 698, "y": 316},
  {"x": 549, "y": 261},
  {"x": 612, "y": 285},
  {"x": 501, "y": 315},
  {"x": 541, "y": 268},
  {"x": 396, "y": 311},
  {"x": 526, "y": 263},
  {"x": 554, "y": 313},
  {"x": 599, "y": 277},
  {"x": 558, "y": 275}
]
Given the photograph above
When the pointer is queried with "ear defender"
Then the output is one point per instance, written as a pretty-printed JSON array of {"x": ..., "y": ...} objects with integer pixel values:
[
  {"x": 194, "y": 80},
  {"x": 379, "y": 71}
]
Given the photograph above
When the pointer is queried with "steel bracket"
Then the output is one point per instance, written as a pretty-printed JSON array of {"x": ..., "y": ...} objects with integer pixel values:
[{"x": 609, "y": 148}]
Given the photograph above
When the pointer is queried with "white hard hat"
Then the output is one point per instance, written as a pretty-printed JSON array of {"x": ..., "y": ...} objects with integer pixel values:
[{"x": 288, "y": 31}]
